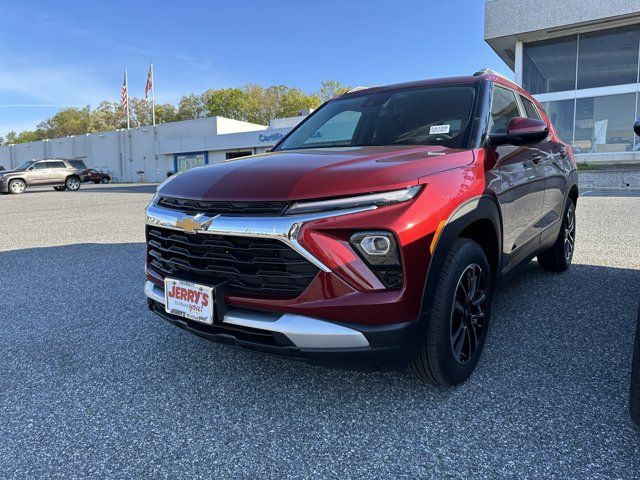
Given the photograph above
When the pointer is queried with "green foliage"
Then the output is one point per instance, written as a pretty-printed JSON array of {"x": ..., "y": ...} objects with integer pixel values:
[
  {"x": 251, "y": 103},
  {"x": 331, "y": 88}
]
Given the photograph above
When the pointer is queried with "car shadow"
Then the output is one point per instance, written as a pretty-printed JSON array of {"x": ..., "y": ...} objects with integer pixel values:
[{"x": 555, "y": 370}]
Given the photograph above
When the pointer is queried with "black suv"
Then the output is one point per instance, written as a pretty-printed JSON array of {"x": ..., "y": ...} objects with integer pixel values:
[{"x": 59, "y": 173}]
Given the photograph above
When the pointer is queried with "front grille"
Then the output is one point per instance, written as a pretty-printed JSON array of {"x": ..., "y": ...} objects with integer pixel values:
[
  {"x": 253, "y": 266},
  {"x": 192, "y": 207}
]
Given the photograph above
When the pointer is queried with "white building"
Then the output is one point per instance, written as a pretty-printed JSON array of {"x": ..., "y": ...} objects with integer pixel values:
[
  {"x": 581, "y": 59},
  {"x": 148, "y": 153}
]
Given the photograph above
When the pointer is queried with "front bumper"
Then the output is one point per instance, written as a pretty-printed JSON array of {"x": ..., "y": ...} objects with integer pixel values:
[{"x": 314, "y": 340}]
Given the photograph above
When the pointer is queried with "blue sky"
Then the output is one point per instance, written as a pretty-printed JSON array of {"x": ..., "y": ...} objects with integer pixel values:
[{"x": 73, "y": 53}]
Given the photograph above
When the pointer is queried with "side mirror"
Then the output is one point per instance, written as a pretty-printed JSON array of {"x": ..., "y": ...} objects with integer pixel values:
[
  {"x": 521, "y": 131},
  {"x": 636, "y": 127}
]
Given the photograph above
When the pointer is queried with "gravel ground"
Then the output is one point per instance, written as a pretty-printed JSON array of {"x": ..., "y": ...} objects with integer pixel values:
[{"x": 93, "y": 385}]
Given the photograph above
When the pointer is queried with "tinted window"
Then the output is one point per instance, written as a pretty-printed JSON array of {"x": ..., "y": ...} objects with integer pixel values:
[
  {"x": 56, "y": 165},
  {"x": 41, "y": 165},
  {"x": 609, "y": 57},
  {"x": 529, "y": 108},
  {"x": 503, "y": 108},
  {"x": 550, "y": 65},
  {"x": 79, "y": 164},
  {"x": 437, "y": 115}
]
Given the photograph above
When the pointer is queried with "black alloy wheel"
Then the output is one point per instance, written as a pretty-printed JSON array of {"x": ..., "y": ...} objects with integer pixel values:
[{"x": 468, "y": 313}]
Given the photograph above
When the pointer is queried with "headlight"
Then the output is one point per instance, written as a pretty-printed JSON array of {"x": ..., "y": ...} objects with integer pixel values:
[
  {"x": 167, "y": 181},
  {"x": 373, "y": 199}
]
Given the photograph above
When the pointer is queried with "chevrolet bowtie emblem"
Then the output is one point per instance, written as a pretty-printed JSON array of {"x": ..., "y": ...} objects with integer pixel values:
[{"x": 194, "y": 224}]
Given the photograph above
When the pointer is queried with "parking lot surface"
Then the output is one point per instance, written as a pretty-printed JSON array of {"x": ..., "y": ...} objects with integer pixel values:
[{"x": 93, "y": 385}]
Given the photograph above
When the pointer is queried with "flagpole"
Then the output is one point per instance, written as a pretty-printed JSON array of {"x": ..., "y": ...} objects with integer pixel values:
[
  {"x": 126, "y": 83},
  {"x": 153, "y": 97}
]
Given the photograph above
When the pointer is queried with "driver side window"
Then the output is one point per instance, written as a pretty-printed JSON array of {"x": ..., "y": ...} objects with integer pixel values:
[{"x": 503, "y": 108}]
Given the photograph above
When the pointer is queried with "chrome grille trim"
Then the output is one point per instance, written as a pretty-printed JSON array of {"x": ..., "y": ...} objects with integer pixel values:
[{"x": 283, "y": 228}]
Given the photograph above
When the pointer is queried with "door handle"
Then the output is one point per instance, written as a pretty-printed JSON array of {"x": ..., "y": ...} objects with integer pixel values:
[{"x": 536, "y": 158}]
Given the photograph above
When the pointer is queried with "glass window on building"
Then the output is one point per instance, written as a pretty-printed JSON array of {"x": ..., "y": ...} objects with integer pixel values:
[
  {"x": 550, "y": 65},
  {"x": 604, "y": 124},
  {"x": 636, "y": 145},
  {"x": 608, "y": 57},
  {"x": 190, "y": 160},
  {"x": 561, "y": 115}
]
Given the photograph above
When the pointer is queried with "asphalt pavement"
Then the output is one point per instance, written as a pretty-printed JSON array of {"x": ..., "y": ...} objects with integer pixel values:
[{"x": 93, "y": 385}]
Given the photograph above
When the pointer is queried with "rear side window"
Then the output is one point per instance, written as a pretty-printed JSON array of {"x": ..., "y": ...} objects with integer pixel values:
[
  {"x": 79, "y": 164},
  {"x": 503, "y": 108},
  {"x": 530, "y": 109}
]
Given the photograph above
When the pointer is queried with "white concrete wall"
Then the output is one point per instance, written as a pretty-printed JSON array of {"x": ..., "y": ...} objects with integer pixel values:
[
  {"x": 514, "y": 17},
  {"x": 151, "y": 149}
]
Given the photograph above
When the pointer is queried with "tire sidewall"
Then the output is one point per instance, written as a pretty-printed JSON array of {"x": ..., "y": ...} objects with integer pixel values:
[
  {"x": 68, "y": 183},
  {"x": 104, "y": 180},
  {"x": 15, "y": 182},
  {"x": 451, "y": 371},
  {"x": 570, "y": 204}
]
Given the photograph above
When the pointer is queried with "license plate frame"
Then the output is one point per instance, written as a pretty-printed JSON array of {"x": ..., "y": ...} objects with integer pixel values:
[{"x": 190, "y": 300}]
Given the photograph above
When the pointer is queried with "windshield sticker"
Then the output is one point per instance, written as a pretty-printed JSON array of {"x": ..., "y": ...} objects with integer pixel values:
[{"x": 435, "y": 129}]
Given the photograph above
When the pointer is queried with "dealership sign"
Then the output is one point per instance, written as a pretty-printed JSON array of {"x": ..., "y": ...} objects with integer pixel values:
[{"x": 271, "y": 138}]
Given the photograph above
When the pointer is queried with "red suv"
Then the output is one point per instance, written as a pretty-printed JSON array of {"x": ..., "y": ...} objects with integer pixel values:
[{"x": 374, "y": 234}]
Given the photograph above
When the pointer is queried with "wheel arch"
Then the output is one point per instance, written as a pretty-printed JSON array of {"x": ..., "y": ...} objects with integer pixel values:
[
  {"x": 23, "y": 180},
  {"x": 477, "y": 219}
]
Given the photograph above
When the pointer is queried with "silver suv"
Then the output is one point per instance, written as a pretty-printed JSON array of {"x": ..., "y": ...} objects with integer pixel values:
[{"x": 59, "y": 173}]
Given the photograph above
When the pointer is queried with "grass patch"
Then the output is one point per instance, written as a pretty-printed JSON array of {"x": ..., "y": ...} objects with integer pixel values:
[{"x": 587, "y": 166}]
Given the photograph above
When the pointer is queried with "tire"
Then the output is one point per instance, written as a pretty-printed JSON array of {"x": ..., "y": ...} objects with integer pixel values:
[
  {"x": 72, "y": 184},
  {"x": 457, "y": 327},
  {"x": 60, "y": 188},
  {"x": 634, "y": 394},
  {"x": 558, "y": 257},
  {"x": 104, "y": 180},
  {"x": 17, "y": 186}
]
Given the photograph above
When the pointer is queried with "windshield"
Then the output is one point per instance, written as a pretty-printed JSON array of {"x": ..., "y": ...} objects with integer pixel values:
[
  {"x": 23, "y": 165},
  {"x": 437, "y": 115}
]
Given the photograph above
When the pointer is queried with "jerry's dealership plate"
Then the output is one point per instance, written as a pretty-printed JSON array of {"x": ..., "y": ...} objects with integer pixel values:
[{"x": 189, "y": 300}]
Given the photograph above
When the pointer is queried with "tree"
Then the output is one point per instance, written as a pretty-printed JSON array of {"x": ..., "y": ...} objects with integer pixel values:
[
  {"x": 331, "y": 88},
  {"x": 227, "y": 102},
  {"x": 256, "y": 104},
  {"x": 191, "y": 106},
  {"x": 30, "y": 136},
  {"x": 12, "y": 137},
  {"x": 68, "y": 121},
  {"x": 108, "y": 116},
  {"x": 251, "y": 103}
]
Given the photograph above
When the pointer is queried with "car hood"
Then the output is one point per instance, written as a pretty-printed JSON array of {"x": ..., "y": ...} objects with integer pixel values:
[{"x": 318, "y": 173}]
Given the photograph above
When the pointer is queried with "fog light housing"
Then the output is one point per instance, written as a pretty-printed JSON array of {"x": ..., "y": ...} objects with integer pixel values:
[
  {"x": 376, "y": 245},
  {"x": 379, "y": 250}
]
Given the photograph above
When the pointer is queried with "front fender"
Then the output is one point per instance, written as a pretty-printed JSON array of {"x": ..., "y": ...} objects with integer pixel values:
[{"x": 478, "y": 209}]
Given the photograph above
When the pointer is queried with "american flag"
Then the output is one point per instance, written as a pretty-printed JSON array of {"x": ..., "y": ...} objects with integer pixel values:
[
  {"x": 149, "y": 86},
  {"x": 124, "y": 97}
]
